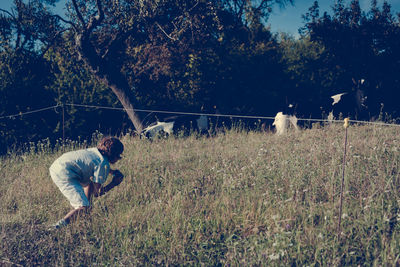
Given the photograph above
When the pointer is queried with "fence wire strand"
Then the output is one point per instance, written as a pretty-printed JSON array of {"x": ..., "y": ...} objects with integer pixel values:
[
  {"x": 28, "y": 112},
  {"x": 194, "y": 114}
]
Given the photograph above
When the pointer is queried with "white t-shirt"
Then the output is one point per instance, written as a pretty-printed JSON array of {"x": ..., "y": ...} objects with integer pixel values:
[{"x": 83, "y": 165}]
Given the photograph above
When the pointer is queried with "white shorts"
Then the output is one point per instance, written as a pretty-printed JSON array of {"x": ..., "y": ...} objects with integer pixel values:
[{"x": 71, "y": 189}]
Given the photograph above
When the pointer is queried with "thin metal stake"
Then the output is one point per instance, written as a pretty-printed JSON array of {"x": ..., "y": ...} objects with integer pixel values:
[
  {"x": 63, "y": 124},
  {"x": 346, "y": 125}
]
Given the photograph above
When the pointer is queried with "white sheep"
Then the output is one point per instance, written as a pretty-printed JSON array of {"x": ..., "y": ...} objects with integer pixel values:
[{"x": 282, "y": 121}]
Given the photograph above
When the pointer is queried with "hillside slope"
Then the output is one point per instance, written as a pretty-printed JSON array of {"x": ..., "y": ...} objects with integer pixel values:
[{"x": 239, "y": 198}]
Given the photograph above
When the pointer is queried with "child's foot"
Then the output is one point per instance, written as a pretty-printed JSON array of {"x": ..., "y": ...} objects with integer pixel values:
[{"x": 60, "y": 224}]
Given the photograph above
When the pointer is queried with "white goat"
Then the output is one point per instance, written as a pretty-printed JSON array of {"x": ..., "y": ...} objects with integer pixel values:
[{"x": 160, "y": 127}]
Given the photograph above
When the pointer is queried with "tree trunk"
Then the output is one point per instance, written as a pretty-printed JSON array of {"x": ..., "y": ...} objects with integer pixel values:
[
  {"x": 105, "y": 74},
  {"x": 125, "y": 101}
]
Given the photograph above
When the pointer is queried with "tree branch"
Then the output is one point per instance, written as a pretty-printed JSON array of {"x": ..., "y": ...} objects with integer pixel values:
[
  {"x": 67, "y": 21},
  {"x": 96, "y": 20},
  {"x": 110, "y": 44},
  {"x": 8, "y": 13},
  {"x": 240, "y": 10},
  {"x": 12, "y": 17},
  {"x": 18, "y": 39},
  {"x": 261, "y": 5},
  {"x": 190, "y": 9},
  {"x": 166, "y": 34},
  {"x": 78, "y": 13},
  {"x": 51, "y": 42}
]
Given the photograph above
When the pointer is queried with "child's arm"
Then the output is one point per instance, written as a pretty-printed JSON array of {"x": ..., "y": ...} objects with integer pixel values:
[
  {"x": 97, "y": 188},
  {"x": 117, "y": 176},
  {"x": 117, "y": 179}
]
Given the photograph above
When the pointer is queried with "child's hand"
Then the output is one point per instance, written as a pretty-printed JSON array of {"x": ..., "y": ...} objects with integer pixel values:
[{"x": 117, "y": 177}]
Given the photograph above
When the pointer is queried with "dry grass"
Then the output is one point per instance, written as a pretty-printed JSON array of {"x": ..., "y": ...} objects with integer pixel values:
[{"x": 239, "y": 198}]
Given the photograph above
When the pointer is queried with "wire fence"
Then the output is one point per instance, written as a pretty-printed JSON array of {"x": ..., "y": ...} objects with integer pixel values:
[
  {"x": 192, "y": 113},
  {"x": 28, "y": 112}
]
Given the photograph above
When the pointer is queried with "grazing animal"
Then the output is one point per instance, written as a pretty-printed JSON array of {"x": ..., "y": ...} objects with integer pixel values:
[
  {"x": 202, "y": 123},
  {"x": 282, "y": 121},
  {"x": 336, "y": 98},
  {"x": 177, "y": 125},
  {"x": 158, "y": 129},
  {"x": 190, "y": 123},
  {"x": 352, "y": 103}
]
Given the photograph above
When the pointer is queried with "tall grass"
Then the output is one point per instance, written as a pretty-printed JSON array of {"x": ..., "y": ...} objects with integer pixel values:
[{"x": 239, "y": 198}]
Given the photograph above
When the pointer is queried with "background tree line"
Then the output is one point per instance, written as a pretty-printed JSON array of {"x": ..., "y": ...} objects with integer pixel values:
[{"x": 188, "y": 55}]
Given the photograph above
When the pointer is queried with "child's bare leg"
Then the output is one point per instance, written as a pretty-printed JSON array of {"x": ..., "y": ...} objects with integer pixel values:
[
  {"x": 73, "y": 214},
  {"x": 88, "y": 191}
]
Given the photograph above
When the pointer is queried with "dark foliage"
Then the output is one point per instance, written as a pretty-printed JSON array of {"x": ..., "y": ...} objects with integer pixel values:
[{"x": 361, "y": 56}]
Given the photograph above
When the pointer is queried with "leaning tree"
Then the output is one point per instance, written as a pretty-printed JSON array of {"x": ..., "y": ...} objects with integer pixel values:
[
  {"x": 113, "y": 37},
  {"x": 108, "y": 32}
]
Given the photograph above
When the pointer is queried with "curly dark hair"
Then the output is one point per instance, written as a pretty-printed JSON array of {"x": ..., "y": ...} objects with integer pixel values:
[{"x": 110, "y": 147}]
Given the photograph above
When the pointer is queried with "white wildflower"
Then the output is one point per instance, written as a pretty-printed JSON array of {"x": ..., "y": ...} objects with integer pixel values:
[
  {"x": 273, "y": 256},
  {"x": 275, "y": 217}
]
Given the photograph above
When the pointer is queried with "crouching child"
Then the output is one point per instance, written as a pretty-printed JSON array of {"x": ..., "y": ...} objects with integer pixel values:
[{"x": 80, "y": 175}]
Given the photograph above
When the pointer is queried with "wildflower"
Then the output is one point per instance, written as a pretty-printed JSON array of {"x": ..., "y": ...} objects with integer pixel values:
[
  {"x": 330, "y": 116},
  {"x": 275, "y": 217},
  {"x": 273, "y": 257}
]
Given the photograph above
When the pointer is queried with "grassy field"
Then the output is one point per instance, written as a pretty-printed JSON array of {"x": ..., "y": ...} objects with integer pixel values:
[{"x": 239, "y": 198}]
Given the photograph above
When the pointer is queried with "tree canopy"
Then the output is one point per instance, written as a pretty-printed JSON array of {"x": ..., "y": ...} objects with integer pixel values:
[{"x": 359, "y": 46}]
